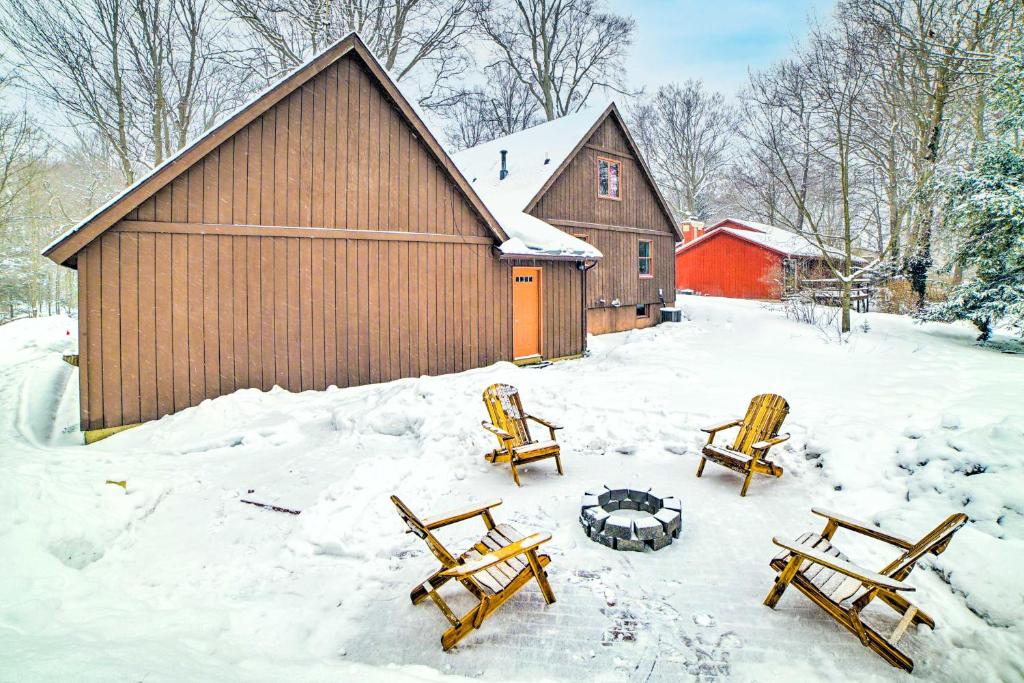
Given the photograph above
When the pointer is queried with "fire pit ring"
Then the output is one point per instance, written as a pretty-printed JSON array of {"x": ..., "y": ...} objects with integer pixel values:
[{"x": 602, "y": 518}]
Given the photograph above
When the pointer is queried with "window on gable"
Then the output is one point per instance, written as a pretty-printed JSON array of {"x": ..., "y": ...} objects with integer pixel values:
[
  {"x": 609, "y": 179},
  {"x": 645, "y": 262}
]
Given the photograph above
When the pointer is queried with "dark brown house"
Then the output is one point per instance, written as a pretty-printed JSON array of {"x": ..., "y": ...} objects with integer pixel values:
[
  {"x": 319, "y": 236},
  {"x": 584, "y": 175}
]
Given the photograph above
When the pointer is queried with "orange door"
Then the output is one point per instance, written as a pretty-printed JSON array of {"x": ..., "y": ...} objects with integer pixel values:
[{"x": 525, "y": 312}]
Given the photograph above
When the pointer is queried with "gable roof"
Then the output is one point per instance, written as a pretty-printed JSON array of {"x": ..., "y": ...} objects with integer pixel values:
[
  {"x": 745, "y": 224},
  {"x": 773, "y": 238},
  {"x": 537, "y": 157},
  {"x": 64, "y": 249},
  {"x": 534, "y": 155}
]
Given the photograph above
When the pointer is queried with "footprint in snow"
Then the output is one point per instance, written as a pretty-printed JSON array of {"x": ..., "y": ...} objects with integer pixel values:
[{"x": 703, "y": 619}]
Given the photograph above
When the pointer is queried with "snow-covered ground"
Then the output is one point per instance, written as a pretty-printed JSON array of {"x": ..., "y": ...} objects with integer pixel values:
[{"x": 174, "y": 579}]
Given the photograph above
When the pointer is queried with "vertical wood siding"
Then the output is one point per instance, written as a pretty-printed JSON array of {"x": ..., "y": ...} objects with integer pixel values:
[
  {"x": 175, "y": 308},
  {"x": 362, "y": 322},
  {"x": 561, "y": 308},
  {"x": 335, "y": 153},
  {"x": 725, "y": 265},
  {"x": 614, "y": 227},
  {"x": 617, "y": 276}
]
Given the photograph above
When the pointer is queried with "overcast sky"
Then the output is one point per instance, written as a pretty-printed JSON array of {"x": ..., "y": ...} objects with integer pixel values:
[{"x": 713, "y": 40}]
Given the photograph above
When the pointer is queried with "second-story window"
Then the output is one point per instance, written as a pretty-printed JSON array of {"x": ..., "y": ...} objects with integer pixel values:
[
  {"x": 645, "y": 265},
  {"x": 609, "y": 179}
]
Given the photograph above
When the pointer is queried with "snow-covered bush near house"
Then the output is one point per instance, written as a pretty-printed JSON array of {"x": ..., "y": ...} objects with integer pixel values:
[{"x": 174, "y": 579}]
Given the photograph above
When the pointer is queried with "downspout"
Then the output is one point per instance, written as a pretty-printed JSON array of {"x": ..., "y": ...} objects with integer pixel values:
[{"x": 584, "y": 266}]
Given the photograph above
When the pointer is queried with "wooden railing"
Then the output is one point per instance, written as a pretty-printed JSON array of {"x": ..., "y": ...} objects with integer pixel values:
[{"x": 830, "y": 292}]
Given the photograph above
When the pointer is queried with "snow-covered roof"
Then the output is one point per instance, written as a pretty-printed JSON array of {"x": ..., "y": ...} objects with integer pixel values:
[
  {"x": 769, "y": 236},
  {"x": 533, "y": 157},
  {"x": 753, "y": 225}
]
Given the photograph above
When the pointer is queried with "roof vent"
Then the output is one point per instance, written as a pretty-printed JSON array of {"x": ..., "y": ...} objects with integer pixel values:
[
  {"x": 504, "y": 166},
  {"x": 547, "y": 158}
]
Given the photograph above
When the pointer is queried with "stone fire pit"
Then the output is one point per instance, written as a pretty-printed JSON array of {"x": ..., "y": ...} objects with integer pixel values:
[{"x": 631, "y": 519}]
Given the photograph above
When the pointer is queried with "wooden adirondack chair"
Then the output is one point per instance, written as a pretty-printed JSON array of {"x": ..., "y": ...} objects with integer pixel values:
[
  {"x": 843, "y": 589},
  {"x": 508, "y": 423},
  {"x": 759, "y": 431},
  {"x": 498, "y": 565}
]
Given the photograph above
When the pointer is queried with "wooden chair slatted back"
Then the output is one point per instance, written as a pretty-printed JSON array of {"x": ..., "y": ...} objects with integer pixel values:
[
  {"x": 417, "y": 527},
  {"x": 506, "y": 412},
  {"x": 937, "y": 537},
  {"x": 763, "y": 420}
]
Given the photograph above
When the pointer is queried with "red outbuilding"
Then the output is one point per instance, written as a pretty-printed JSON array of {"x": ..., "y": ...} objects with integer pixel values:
[{"x": 745, "y": 260}]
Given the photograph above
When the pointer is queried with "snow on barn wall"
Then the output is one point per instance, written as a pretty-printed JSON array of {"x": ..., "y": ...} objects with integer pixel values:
[
  {"x": 552, "y": 175},
  {"x": 291, "y": 252},
  {"x": 722, "y": 264}
]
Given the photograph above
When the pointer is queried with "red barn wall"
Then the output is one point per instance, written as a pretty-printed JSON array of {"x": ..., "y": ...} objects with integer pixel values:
[{"x": 725, "y": 265}]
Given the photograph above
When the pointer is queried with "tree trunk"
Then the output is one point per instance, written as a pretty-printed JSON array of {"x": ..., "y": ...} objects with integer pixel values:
[
  {"x": 846, "y": 306},
  {"x": 985, "y": 327},
  {"x": 918, "y": 262}
]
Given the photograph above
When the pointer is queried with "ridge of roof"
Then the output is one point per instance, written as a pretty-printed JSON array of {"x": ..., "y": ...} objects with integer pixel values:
[
  {"x": 536, "y": 157},
  {"x": 771, "y": 237},
  {"x": 65, "y": 247}
]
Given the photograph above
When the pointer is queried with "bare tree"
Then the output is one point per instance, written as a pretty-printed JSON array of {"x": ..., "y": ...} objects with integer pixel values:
[
  {"x": 751, "y": 188},
  {"x": 686, "y": 134},
  {"x": 502, "y": 107},
  {"x": 407, "y": 36},
  {"x": 936, "y": 47},
  {"x": 21, "y": 150},
  {"x": 803, "y": 117},
  {"x": 885, "y": 142},
  {"x": 140, "y": 74},
  {"x": 561, "y": 50}
]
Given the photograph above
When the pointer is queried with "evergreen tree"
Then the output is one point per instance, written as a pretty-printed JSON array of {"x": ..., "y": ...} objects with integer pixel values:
[{"x": 986, "y": 205}]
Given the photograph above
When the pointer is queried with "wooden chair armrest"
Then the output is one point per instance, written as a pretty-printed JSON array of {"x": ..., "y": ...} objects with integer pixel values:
[
  {"x": 549, "y": 425},
  {"x": 865, "y": 529},
  {"x": 497, "y": 431},
  {"x": 844, "y": 567},
  {"x": 520, "y": 547},
  {"x": 438, "y": 521},
  {"x": 768, "y": 443},
  {"x": 718, "y": 428}
]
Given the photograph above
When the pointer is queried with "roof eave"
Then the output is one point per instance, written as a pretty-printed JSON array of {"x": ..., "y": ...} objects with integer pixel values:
[
  {"x": 650, "y": 176},
  {"x": 568, "y": 159},
  {"x": 63, "y": 250},
  {"x": 610, "y": 109},
  {"x": 79, "y": 236},
  {"x": 714, "y": 232},
  {"x": 548, "y": 257}
]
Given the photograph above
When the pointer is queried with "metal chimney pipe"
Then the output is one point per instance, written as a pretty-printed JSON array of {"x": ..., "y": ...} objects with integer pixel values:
[{"x": 504, "y": 166}]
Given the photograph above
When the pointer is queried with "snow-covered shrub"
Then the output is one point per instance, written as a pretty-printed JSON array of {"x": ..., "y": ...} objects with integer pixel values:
[
  {"x": 802, "y": 308},
  {"x": 897, "y": 296}
]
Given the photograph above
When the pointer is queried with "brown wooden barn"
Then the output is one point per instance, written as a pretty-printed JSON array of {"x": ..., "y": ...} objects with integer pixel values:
[
  {"x": 584, "y": 174},
  {"x": 319, "y": 236}
]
